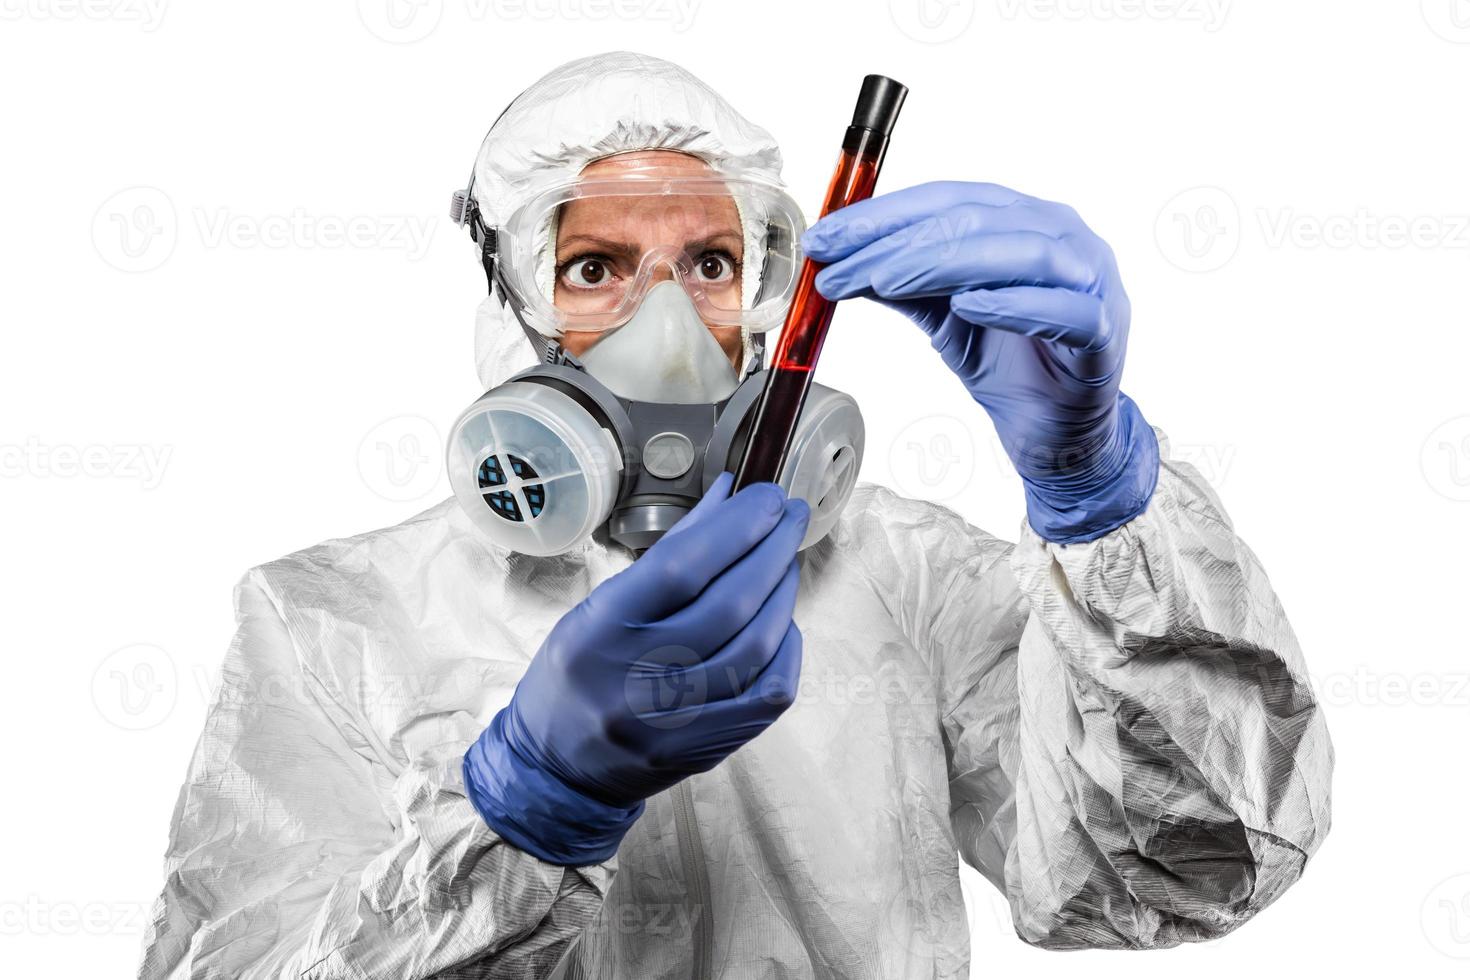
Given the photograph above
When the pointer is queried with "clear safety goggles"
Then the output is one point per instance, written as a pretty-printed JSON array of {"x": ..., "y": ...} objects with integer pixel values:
[{"x": 582, "y": 255}]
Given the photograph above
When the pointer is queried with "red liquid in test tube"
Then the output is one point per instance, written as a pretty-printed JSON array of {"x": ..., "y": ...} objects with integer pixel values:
[{"x": 810, "y": 313}]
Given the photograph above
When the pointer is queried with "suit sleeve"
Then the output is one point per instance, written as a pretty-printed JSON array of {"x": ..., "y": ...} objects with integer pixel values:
[
  {"x": 295, "y": 852},
  {"x": 1136, "y": 755}
]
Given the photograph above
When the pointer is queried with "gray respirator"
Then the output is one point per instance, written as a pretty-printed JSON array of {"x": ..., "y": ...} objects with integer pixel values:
[{"x": 544, "y": 460}]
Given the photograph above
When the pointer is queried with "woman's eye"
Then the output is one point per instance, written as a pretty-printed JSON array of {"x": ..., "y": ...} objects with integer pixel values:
[
  {"x": 715, "y": 267},
  {"x": 587, "y": 272}
]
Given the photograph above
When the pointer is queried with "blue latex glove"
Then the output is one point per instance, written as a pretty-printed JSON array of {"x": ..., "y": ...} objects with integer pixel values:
[
  {"x": 663, "y": 671},
  {"x": 1024, "y": 304}
]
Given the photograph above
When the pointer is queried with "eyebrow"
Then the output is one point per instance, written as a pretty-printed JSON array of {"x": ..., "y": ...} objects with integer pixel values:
[
  {"x": 728, "y": 239},
  {"x": 603, "y": 244},
  {"x": 725, "y": 238}
]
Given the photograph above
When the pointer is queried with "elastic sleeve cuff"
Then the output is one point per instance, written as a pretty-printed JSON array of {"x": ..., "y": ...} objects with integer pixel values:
[{"x": 535, "y": 810}]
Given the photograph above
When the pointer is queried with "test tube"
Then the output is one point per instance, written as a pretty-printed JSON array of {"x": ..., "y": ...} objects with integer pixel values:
[{"x": 810, "y": 314}]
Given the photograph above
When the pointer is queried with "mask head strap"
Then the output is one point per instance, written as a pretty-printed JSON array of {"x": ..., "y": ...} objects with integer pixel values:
[{"x": 464, "y": 211}]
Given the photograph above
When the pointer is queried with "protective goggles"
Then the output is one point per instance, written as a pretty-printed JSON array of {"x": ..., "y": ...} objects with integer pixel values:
[{"x": 581, "y": 256}]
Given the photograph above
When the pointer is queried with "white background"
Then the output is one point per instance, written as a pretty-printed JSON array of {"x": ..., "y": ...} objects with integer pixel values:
[{"x": 198, "y": 375}]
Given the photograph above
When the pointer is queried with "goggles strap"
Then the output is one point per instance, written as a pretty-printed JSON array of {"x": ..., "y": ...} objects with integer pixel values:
[{"x": 463, "y": 211}]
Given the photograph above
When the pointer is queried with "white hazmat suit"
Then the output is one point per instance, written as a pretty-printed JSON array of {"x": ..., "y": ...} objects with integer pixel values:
[{"x": 1120, "y": 735}]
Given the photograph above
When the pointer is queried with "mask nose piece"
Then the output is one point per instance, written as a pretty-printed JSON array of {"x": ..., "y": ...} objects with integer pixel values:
[
  {"x": 665, "y": 353},
  {"x": 664, "y": 269}
]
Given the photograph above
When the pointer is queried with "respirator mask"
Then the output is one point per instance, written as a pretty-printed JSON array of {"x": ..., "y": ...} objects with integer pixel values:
[{"x": 640, "y": 292}]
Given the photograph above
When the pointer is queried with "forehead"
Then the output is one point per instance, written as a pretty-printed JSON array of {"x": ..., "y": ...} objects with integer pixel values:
[
  {"x": 672, "y": 218},
  {"x": 657, "y": 163}
]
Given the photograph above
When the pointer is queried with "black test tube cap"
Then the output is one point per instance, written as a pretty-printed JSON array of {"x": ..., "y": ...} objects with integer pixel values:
[{"x": 878, "y": 104}]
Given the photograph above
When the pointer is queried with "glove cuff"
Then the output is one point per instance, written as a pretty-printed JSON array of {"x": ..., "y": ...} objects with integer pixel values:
[
  {"x": 1122, "y": 491},
  {"x": 534, "y": 810}
]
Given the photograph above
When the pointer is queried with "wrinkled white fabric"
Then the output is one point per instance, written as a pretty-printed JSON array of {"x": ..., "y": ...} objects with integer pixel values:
[
  {"x": 500, "y": 348},
  {"x": 1120, "y": 735},
  {"x": 612, "y": 103}
]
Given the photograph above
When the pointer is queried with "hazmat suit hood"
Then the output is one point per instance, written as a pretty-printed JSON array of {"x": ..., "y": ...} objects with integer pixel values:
[{"x": 583, "y": 111}]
